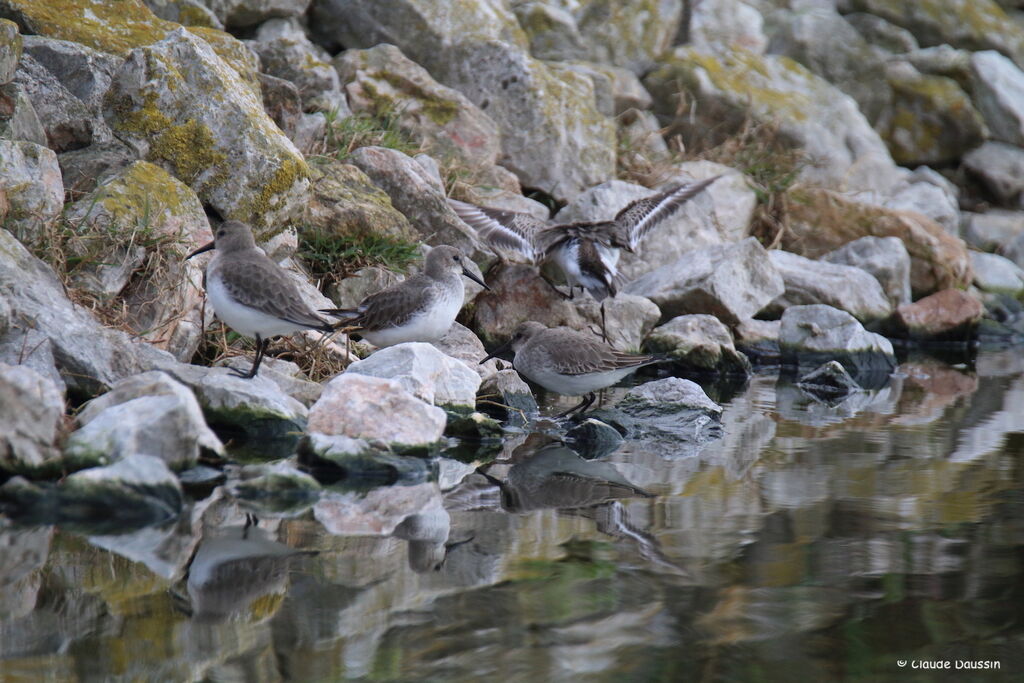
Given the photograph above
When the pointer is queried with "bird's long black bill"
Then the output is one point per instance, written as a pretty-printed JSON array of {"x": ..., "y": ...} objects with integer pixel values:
[
  {"x": 200, "y": 250},
  {"x": 474, "y": 278},
  {"x": 497, "y": 352}
]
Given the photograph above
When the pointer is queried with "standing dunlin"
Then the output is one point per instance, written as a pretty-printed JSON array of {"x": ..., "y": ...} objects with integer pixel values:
[
  {"x": 568, "y": 362},
  {"x": 253, "y": 295},
  {"x": 421, "y": 308},
  {"x": 586, "y": 252}
]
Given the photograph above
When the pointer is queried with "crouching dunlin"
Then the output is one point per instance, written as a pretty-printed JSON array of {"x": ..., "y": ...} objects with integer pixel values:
[
  {"x": 421, "y": 308},
  {"x": 253, "y": 295},
  {"x": 568, "y": 362}
]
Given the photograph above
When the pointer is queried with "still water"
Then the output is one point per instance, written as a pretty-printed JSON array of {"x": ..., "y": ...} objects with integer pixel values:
[{"x": 806, "y": 542}]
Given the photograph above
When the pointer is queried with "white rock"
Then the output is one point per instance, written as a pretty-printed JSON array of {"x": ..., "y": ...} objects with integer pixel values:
[
  {"x": 722, "y": 24},
  {"x": 460, "y": 343},
  {"x": 998, "y": 89},
  {"x": 31, "y": 410},
  {"x": 847, "y": 288},
  {"x": 1001, "y": 168},
  {"x": 423, "y": 371},
  {"x": 992, "y": 230},
  {"x": 287, "y": 53},
  {"x": 148, "y": 413},
  {"x": 30, "y": 178},
  {"x": 884, "y": 257},
  {"x": 672, "y": 392},
  {"x": 994, "y": 273},
  {"x": 698, "y": 341},
  {"x": 732, "y": 282},
  {"x": 233, "y": 155},
  {"x": 376, "y": 409},
  {"x": 812, "y": 334}
]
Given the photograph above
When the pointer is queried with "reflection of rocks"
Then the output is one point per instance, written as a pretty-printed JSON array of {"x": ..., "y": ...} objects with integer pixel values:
[
  {"x": 830, "y": 382},
  {"x": 374, "y": 513},
  {"x": 22, "y": 553}
]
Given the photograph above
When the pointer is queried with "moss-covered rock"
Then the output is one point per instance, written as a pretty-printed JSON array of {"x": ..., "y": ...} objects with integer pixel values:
[
  {"x": 237, "y": 54},
  {"x": 930, "y": 120},
  {"x": 719, "y": 94},
  {"x": 345, "y": 202},
  {"x": 184, "y": 108},
  {"x": 287, "y": 53},
  {"x": 627, "y": 33},
  {"x": 31, "y": 182},
  {"x": 820, "y": 221},
  {"x": 381, "y": 81},
  {"x": 10, "y": 50}
]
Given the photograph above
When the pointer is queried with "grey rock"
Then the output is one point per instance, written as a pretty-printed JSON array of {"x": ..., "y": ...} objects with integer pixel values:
[
  {"x": 627, "y": 318},
  {"x": 254, "y": 405},
  {"x": 68, "y": 122},
  {"x": 847, "y": 288},
  {"x": 1015, "y": 250},
  {"x": 425, "y": 372},
  {"x": 10, "y": 50},
  {"x": 30, "y": 179},
  {"x": 732, "y": 282},
  {"x": 886, "y": 258},
  {"x": 281, "y": 102},
  {"x": 507, "y": 397},
  {"x": 275, "y": 488},
  {"x": 148, "y": 413},
  {"x": 810, "y": 335},
  {"x": 413, "y": 192},
  {"x": 86, "y": 73},
  {"x": 242, "y": 13},
  {"x": 928, "y": 194},
  {"x": 185, "y": 12},
  {"x": 106, "y": 280},
  {"x": 28, "y": 347},
  {"x": 942, "y": 60},
  {"x": 287, "y": 53},
  {"x": 640, "y": 133},
  {"x": 1000, "y": 167},
  {"x": 699, "y": 342},
  {"x": 18, "y": 119},
  {"x": 627, "y": 33},
  {"x": 726, "y": 24},
  {"x": 594, "y": 439},
  {"x": 285, "y": 374},
  {"x": 82, "y": 169},
  {"x": 998, "y": 88},
  {"x": 352, "y": 290},
  {"x": 830, "y": 381},
  {"x": 460, "y": 343},
  {"x": 758, "y": 340},
  {"x": 879, "y": 32},
  {"x": 376, "y": 409},
  {"x": 552, "y": 31},
  {"x": 231, "y": 155},
  {"x": 31, "y": 410},
  {"x": 601, "y": 81},
  {"x": 992, "y": 230},
  {"x": 994, "y": 273},
  {"x": 442, "y": 119},
  {"x": 24, "y": 553},
  {"x": 308, "y": 134}
]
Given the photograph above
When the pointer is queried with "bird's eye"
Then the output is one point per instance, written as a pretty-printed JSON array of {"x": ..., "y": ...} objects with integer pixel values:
[
  {"x": 457, "y": 258},
  {"x": 221, "y": 233}
]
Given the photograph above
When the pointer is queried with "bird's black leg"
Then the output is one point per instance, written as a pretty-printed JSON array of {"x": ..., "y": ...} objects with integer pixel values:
[
  {"x": 581, "y": 406},
  {"x": 250, "y": 521},
  {"x": 604, "y": 325},
  {"x": 261, "y": 348},
  {"x": 553, "y": 286}
]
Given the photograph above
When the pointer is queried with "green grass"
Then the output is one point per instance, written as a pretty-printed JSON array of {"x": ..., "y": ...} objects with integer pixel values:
[
  {"x": 332, "y": 257},
  {"x": 362, "y": 130}
]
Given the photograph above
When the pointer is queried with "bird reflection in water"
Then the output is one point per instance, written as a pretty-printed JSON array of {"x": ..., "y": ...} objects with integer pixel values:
[
  {"x": 427, "y": 533},
  {"x": 235, "y": 567}
]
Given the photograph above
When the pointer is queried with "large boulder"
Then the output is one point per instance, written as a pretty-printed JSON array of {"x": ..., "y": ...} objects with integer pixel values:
[
  {"x": 994, "y": 273},
  {"x": 84, "y": 71},
  {"x": 698, "y": 342},
  {"x": 722, "y": 25},
  {"x": 949, "y": 315},
  {"x": 998, "y": 87},
  {"x": 992, "y": 230},
  {"x": 699, "y": 93},
  {"x": 243, "y": 13},
  {"x": 10, "y": 50},
  {"x": 287, "y": 53},
  {"x": 18, "y": 118},
  {"x": 232, "y": 155},
  {"x": 847, "y": 288},
  {"x": 144, "y": 205},
  {"x": 732, "y": 282},
  {"x": 30, "y": 183},
  {"x": 383, "y": 81},
  {"x": 376, "y": 409},
  {"x": 148, "y": 413},
  {"x": 461, "y": 344},
  {"x": 31, "y": 409},
  {"x": 821, "y": 221},
  {"x": 812, "y": 335},
  {"x": 1000, "y": 168},
  {"x": 424, "y": 372},
  {"x": 884, "y": 257}
]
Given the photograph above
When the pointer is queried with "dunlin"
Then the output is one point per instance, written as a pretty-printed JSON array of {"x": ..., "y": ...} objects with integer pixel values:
[
  {"x": 421, "y": 308},
  {"x": 586, "y": 252},
  {"x": 568, "y": 362},
  {"x": 253, "y": 295}
]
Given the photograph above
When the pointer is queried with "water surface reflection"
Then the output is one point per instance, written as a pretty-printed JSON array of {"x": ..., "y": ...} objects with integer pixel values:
[{"x": 804, "y": 541}]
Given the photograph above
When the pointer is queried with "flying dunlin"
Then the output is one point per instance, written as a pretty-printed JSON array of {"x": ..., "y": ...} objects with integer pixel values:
[{"x": 253, "y": 295}]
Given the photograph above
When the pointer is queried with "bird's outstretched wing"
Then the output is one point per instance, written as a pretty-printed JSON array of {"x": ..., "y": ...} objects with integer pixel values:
[
  {"x": 643, "y": 215},
  {"x": 502, "y": 229}
]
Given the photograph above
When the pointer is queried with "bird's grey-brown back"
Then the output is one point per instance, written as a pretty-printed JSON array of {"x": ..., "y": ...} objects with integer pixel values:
[{"x": 570, "y": 352}]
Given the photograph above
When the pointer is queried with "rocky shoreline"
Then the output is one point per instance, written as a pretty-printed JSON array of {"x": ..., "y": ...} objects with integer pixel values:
[{"x": 869, "y": 202}]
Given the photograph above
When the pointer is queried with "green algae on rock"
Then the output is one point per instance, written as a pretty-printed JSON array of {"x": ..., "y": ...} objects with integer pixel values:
[{"x": 184, "y": 108}]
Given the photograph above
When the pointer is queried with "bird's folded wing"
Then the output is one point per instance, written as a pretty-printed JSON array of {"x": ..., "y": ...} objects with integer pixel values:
[
  {"x": 270, "y": 291},
  {"x": 576, "y": 353},
  {"x": 643, "y": 215},
  {"x": 394, "y": 306},
  {"x": 502, "y": 229}
]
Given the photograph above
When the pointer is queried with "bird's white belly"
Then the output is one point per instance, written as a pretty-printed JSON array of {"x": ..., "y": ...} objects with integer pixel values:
[
  {"x": 427, "y": 326},
  {"x": 575, "y": 385},
  {"x": 243, "y": 319}
]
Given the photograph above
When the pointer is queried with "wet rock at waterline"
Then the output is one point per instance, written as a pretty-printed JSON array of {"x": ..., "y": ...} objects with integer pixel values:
[
  {"x": 884, "y": 257},
  {"x": 148, "y": 413},
  {"x": 137, "y": 491},
  {"x": 811, "y": 335},
  {"x": 698, "y": 342},
  {"x": 731, "y": 281},
  {"x": 425, "y": 372},
  {"x": 352, "y": 405},
  {"x": 31, "y": 410},
  {"x": 507, "y": 397},
  {"x": 334, "y": 457},
  {"x": 831, "y": 381},
  {"x": 949, "y": 315},
  {"x": 844, "y": 287},
  {"x": 275, "y": 488},
  {"x": 594, "y": 439}
]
